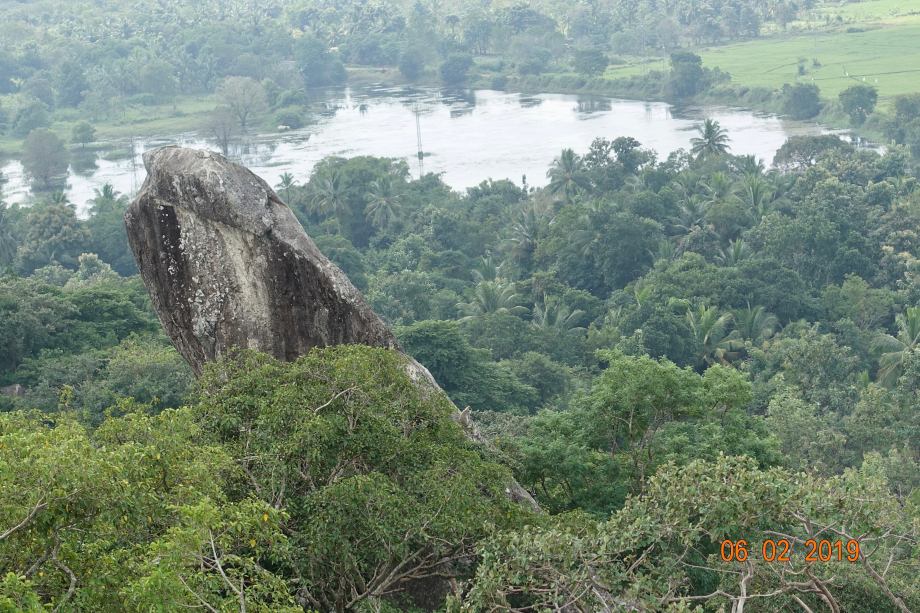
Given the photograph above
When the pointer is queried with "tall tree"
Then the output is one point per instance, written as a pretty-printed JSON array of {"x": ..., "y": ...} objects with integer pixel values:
[
  {"x": 894, "y": 350},
  {"x": 858, "y": 101},
  {"x": 490, "y": 297},
  {"x": 245, "y": 97},
  {"x": 384, "y": 202},
  {"x": 330, "y": 195},
  {"x": 8, "y": 232},
  {"x": 44, "y": 157},
  {"x": 713, "y": 140},
  {"x": 567, "y": 175}
]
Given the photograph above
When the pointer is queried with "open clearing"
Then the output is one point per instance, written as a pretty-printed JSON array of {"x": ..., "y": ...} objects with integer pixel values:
[{"x": 886, "y": 52}]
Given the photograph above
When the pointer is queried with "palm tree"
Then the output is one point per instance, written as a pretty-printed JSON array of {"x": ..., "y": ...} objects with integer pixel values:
[
  {"x": 107, "y": 200},
  {"x": 8, "y": 233},
  {"x": 286, "y": 183},
  {"x": 567, "y": 175},
  {"x": 384, "y": 202},
  {"x": 612, "y": 318},
  {"x": 636, "y": 184},
  {"x": 755, "y": 323},
  {"x": 59, "y": 197},
  {"x": 330, "y": 195},
  {"x": 560, "y": 317},
  {"x": 750, "y": 165},
  {"x": 486, "y": 270},
  {"x": 719, "y": 188},
  {"x": 756, "y": 194},
  {"x": 687, "y": 183},
  {"x": 667, "y": 251},
  {"x": 524, "y": 230},
  {"x": 895, "y": 350},
  {"x": 693, "y": 213},
  {"x": 491, "y": 297},
  {"x": 737, "y": 253},
  {"x": 585, "y": 238},
  {"x": 713, "y": 140},
  {"x": 709, "y": 327}
]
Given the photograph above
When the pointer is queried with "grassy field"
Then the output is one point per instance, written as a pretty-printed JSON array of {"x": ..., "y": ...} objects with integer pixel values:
[
  {"x": 886, "y": 57},
  {"x": 886, "y": 53}
]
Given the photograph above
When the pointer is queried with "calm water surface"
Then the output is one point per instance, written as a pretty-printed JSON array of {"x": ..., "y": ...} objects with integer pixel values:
[{"x": 468, "y": 135}]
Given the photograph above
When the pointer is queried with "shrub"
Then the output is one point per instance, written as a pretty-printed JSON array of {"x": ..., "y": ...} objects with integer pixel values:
[
  {"x": 453, "y": 70},
  {"x": 290, "y": 116},
  {"x": 802, "y": 101}
]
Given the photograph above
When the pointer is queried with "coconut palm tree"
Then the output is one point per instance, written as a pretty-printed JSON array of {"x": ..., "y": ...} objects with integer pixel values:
[
  {"x": 524, "y": 230},
  {"x": 755, "y": 323},
  {"x": 8, "y": 232},
  {"x": 330, "y": 196},
  {"x": 558, "y": 316},
  {"x": 107, "y": 200},
  {"x": 612, "y": 317},
  {"x": 667, "y": 251},
  {"x": 687, "y": 183},
  {"x": 894, "y": 350},
  {"x": 491, "y": 297},
  {"x": 710, "y": 329},
  {"x": 738, "y": 252},
  {"x": 585, "y": 237},
  {"x": 384, "y": 202},
  {"x": 756, "y": 194},
  {"x": 567, "y": 175},
  {"x": 286, "y": 182},
  {"x": 693, "y": 213},
  {"x": 719, "y": 188},
  {"x": 59, "y": 197},
  {"x": 486, "y": 269},
  {"x": 750, "y": 165},
  {"x": 713, "y": 140}
]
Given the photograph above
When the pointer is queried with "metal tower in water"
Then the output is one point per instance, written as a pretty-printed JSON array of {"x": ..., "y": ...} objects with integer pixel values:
[{"x": 418, "y": 135}]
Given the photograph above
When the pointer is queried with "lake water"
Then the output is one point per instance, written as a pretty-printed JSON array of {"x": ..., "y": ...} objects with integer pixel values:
[{"x": 469, "y": 135}]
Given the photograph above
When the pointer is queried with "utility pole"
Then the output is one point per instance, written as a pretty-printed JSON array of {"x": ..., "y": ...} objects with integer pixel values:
[
  {"x": 814, "y": 20},
  {"x": 418, "y": 136}
]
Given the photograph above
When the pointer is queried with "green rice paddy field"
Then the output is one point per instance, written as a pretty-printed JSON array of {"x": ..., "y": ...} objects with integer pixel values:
[{"x": 878, "y": 41}]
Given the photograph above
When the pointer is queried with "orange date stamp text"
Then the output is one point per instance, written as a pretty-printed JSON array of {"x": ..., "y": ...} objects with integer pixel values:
[{"x": 781, "y": 550}]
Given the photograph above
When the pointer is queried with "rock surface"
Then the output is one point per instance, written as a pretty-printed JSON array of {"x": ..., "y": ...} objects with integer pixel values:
[{"x": 226, "y": 263}]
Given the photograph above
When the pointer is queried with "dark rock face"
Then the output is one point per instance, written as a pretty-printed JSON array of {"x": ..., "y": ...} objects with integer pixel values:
[
  {"x": 13, "y": 390},
  {"x": 226, "y": 263}
]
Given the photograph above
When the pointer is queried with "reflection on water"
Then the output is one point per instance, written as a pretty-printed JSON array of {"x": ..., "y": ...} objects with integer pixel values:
[
  {"x": 468, "y": 136},
  {"x": 592, "y": 104},
  {"x": 84, "y": 163}
]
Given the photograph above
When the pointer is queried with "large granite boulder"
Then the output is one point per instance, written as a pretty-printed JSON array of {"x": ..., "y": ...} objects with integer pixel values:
[{"x": 227, "y": 264}]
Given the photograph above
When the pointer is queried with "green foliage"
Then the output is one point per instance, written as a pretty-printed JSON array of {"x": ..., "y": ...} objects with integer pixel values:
[
  {"x": 375, "y": 474},
  {"x": 686, "y": 73},
  {"x": 713, "y": 140},
  {"x": 44, "y": 157},
  {"x": 31, "y": 115},
  {"x": 802, "y": 101},
  {"x": 858, "y": 101},
  {"x": 82, "y": 132},
  {"x": 318, "y": 65},
  {"x": 453, "y": 70},
  {"x": 411, "y": 63},
  {"x": 290, "y": 116},
  {"x": 590, "y": 62},
  {"x": 662, "y": 547},
  {"x": 465, "y": 373},
  {"x": 70, "y": 82}
]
